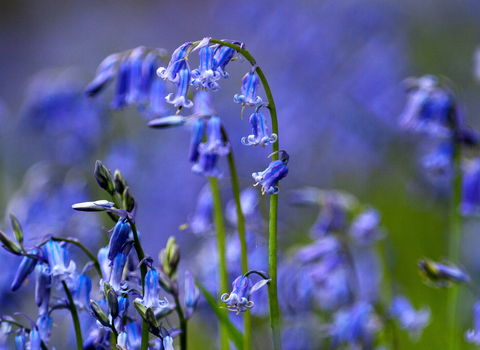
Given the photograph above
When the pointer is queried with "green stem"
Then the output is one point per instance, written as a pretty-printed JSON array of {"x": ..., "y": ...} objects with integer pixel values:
[
  {"x": 76, "y": 321},
  {"x": 454, "y": 244},
  {"x": 247, "y": 344},
  {"x": 221, "y": 249},
  {"x": 272, "y": 285},
  {"x": 114, "y": 337},
  {"x": 183, "y": 324},
  {"x": 76, "y": 242}
]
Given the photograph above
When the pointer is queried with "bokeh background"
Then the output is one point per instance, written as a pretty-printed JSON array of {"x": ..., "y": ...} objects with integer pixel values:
[{"x": 335, "y": 69}]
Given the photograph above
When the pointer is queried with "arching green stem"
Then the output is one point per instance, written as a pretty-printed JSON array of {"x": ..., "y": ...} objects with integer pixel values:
[
  {"x": 272, "y": 255},
  {"x": 76, "y": 321},
  {"x": 247, "y": 343},
  {"x": 183, "y": 324},
  {"x": 221, "y": 249}
]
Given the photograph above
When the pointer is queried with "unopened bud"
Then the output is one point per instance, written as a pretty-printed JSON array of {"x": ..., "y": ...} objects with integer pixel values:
[
  {"x": 104, "y": 178},
  {"x": 99, "y": 314},
  {"x": 9, "y": 244},
  {"x": 120, "y": 183},
  {"x": 112, "y": 303},
  {"x": 170, "y": 256},
  {"x": 17, "y": 229},
  {"x": 142, "y": 311},
  {"x": 128, "y": 200}
]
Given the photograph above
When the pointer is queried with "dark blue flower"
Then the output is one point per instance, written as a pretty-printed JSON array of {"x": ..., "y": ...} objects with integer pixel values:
[
  {"x": 43, "y": 284},
  {"x": 249, "y": 96},
  {"x": 269, "y": 178},
  {"x": 223, "y": 55},
  {"x": 118, "y": 239},
  {"x": 198, "y": 131},
  {"x": 121, "y": 87},
  {"x": 259, "y": 132},
  {"x": 82, "y": 294},
  {"x": 117, "y": 271},
  {"x": 176, "y": 63},
  {"x": 182, "y": 80},
  {"x": 26, "y": 268},
  {"x": 204, "y": 77},
  {"x": 105, "y": 74}
]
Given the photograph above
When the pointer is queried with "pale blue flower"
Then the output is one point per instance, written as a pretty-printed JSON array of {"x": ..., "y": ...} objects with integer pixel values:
[
  {"x": 248, "y": 96},
  {"x": 409, "y": 319},
  {"x": 56, "y": 257},
  {"x": 175, "y": 64},
  {"x": 473, "y": 335},
  {"x": 182, "y": 80},
  {"x": 204, "y": 77},
  {"x": 259, "y": 132}
]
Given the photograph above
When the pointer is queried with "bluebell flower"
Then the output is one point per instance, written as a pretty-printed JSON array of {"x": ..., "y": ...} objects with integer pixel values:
[
  {"x": 204, "y": 77},
  {"x": 106, "y": 72},
  {"x": 439, "y": 163},
  {"x": 248, "y": 96},
  {"x": 96, "y": 335},
  {"x": 295, "y": 289},
  {"x": 117, "y": 271},
  {"x": 82, "y": 294},
  {"x": 355, "y": 326},
  {"x": 332, "y": 287},
  {"x": 191, "y": 294},
  {"x": 367, "y": 267},
  {"x": 123, "y": 305},
  {"x": 152, "y": 288},
  {"x": 122, "y": 84},
  {"x": 365, "y": 228},
  {"x": 118, "y": 239},
  {"x": 168, "y": 343},
  {"x": 409, "y": 319},
  {"x": 56, "y": 257},
  {"x": 26, "y": 267},
  {"x": 198, "y": 131},
  {"x": 430, "y": 107},
  {"x": 122, "y": 341},
  {"x": 35, "y": 340},
  {"x": 319, "y": 249},
  {"x": 102, "y": 257},
  {"x": 5, "y": 330},
  {"x": 20, "y": 341},
  {"x": 175, "y": 64},
  {"x": 442, "y": 275},
  {"x": 473, "y": 335},
  {"x": 470, "y": 202},
  {"x": 156, "y": 106},
  {"x": 134, "y": 333},
  {"x": 182, "y": 80},
  {"x": 44, "y": 324},
  {"x": 43, "y": 284},
  {"x": 211, "y": 150},
  {"x": 135, "y": 79},
  {"x": 202, "y": 104},
  {"x": 259, "y": 132},
  {"x": 269, "y": 178},
  {"x": 242, "y": 288},
  {"x": 223, "y": 55}
]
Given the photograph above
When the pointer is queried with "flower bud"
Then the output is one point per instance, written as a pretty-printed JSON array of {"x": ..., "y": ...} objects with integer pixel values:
[
  {"x": 128, "y": 200},
  {"x": 152, "y": 322},
  {"x": 167, "y": 122},
  {"x": 120, "y": 183},
  {"x": 170, "y": 256},
  {"x": 112, "y": 303},
  {"x": 9, "y": 244},
  {"x": 142, "y": 310},
  {"x": 100, "y": 205},
  {"x": 166, "y": 283},
  {"x": 17, "y": 229},
  {"x": 104, "y": 178},
  {"x": 98, "y": 313}
]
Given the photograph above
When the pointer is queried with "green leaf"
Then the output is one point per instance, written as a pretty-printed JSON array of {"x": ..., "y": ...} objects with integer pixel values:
[{"x": 234, "y": 334}]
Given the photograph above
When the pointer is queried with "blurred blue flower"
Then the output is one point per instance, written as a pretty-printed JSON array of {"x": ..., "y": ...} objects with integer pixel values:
[
  {"x": 473, "y": 335},
  {"x": 365, "y": 228},
  {"x": 201, "y": 221},
  {"x": 410, "y": 320},
  {"x": 249, "y": 200},
  {"x": 470, "y": 203}
]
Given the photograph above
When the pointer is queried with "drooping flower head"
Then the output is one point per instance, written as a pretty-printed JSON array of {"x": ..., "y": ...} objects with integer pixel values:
[
  {"x": 430, "y": 107},
  {"x": 242, "y": 288},
  {"x": 118, "y": 239},
  {"x": 106, "y": 72},
  {"x": 204, "y": 77},
  {"x": 182, "y": 80},
  {"x": 249, "y": 96},
  {"x": 201, "y": 221},
  {"x": 152, "y": 288},
  {"x": 473, "y": 335},
  {"x": 43, "y": 284},
  {"x": 25, "y": 269},
  {"x": 135, "y": 80},
  {"x": 409, "y": 319},
  {"x": 259, "y": 132},
  {"x": 175, "y": 64},
  {"x": 117, "y": 271},
  {"x": 223, "y": 55},
  {"x": 121, "y": 87},
  {"x": 191, "y": 294},
  {"x": 56, "y": 257},
  {"x": 44, "y": 324},
  {"x": 198, "y": 131},
  {"x": 269, "y": 178}
]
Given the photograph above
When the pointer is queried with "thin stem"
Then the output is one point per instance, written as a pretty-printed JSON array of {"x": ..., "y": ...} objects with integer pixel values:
[
  {"x": 183, "y": 324},
  {"x": 221, "y": 249},
  {"x": 454, "y": 243},
  {"x": 113, "y": 339},
  {"x": 242, "y": 237},
  {"x": 76, "y": 321},
  {"x": 90, "y": 255},
  {"x": 272, "y": 285}
]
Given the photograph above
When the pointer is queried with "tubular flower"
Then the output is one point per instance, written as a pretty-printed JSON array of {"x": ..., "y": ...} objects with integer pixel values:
[
  {"x": 152, "y": 288},
  {"x": 473, "y": 335},
  {"x": 182, "y": 79},
  {"x": 43, "y": 284},
  {"x": 259, "y": 132},
  {"x": 198, "y": 130},
  {"x": 56, "y": 257},
  {"x": 117, "y": 271},
  {"x": 470, "y": 204},
  {"x": 175, "y": 64},
  {"x": 237, "y": 300},
  {"x": 118, "y": 239},
  {"x": 105, "y": 74},
  {"x": 135, "y": 79},
  {"x": 204, "y": 77},
  {"x": 269, "y": 178},
  {"x": 26, "y": 268},
  {"x": 191, "y": 294},
  {"x": 248, "y": 96},
  {"x": 122, "y": 84},
  {"x": 223, "y": 55}
]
